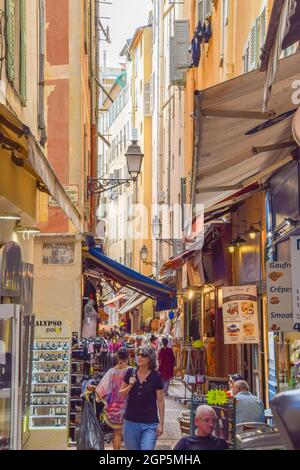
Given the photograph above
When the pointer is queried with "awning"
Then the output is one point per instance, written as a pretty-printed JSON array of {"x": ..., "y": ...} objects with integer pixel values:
[
  {"x": 164, "y": 295},
  {"x": 115, "y": 299},
  {"x": 175, "y": 263},
  {"x": 239, "y": 145},
  {"x": 135, "y": 301},
  {"x": 27, "y": 153}
]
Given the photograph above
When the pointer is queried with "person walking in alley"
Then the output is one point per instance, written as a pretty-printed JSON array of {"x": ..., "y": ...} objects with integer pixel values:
[
  {"x": 249, "y": 408},
  {"x": 109, "y": 390},
  {"x": 144, "y": 388},
  {"x": 205, "y": 438},
  {"x": 166, "y": 360}
]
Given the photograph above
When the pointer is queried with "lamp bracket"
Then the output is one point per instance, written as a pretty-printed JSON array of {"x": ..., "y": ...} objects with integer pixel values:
[{"x": 100, "y": 185}]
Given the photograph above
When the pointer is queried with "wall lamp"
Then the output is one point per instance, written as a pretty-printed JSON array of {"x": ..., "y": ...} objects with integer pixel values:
[
  {"x": 134, "y": 157},
  {"x": 252, "y": 231},
  {"x": 144, "y": 256}
]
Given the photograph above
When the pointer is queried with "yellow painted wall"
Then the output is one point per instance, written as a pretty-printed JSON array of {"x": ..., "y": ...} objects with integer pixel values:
[
  {"x": 211, "y": 71},
  {"x": 142, "y": 47}
]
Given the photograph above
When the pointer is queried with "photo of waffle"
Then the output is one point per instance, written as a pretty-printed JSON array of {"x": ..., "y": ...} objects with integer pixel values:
[
  {"x": 233, "y": 330},
  {"x": 233, "y": 308},
  {"x": 247, "y": 308},
  {"x": 249, "y": 329},
  {"x": 274, "y": 300},
  {"x": 275, "y": 275}
]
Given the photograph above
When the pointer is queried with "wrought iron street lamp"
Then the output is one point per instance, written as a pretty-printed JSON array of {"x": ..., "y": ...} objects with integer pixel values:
[
  {"x": 134, "y": 158},
  {"x": 144, "y": 256},
  {"x": 156, "y": 231}
]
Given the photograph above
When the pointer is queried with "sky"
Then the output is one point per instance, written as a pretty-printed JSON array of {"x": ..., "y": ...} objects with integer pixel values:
[{"x": 125, "y": 17}]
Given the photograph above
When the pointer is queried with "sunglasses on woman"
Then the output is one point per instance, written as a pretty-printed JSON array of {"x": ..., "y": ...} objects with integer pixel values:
[{"x": 142, "y": 355}]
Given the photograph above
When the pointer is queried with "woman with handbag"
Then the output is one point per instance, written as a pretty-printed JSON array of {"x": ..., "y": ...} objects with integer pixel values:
[
  {"x": 144, "y": 388},
  {"x": 109, "y": 390}
]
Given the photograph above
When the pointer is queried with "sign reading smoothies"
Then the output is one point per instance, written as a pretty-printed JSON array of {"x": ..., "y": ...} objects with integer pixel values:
[
  {"x": 279, "y": 293},
  {"x": 240, "y": 316},
  {"x": 295, "y": 257}
]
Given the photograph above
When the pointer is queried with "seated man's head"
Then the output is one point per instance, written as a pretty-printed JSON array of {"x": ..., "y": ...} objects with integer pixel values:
[
  {"x": 240, "y": 386},
  {"x": 205, "y": 420}
]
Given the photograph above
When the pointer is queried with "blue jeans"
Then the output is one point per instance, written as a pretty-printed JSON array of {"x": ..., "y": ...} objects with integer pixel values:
[{"x": 139, "y": 436}]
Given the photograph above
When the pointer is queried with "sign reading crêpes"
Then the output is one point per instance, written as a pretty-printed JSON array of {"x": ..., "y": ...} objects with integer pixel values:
[
  {"x": 279, "y": 293},
  {"x": 240, "y": 316},
  {"x": 73, "y": 193}
]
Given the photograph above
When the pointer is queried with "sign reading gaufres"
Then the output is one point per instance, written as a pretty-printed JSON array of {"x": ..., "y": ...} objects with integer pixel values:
[
  {"x": 295, "y": 257},
  {"x": 240, "y": 316},
  {"x": 279, "y": 293},
  {"x": 73, "y": 193}
]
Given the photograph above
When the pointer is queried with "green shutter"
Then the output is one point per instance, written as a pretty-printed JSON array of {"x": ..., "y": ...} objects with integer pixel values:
[
  {"x": 23, "y": 51},
  {"x": 10, "y": 38}
]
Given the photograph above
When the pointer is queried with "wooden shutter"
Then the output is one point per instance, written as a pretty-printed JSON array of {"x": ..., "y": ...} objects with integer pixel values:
[
  {"x": 183, "y": 200},
  {"x": 253, "y": 48},
  {"x": 10, "y": 38},
  {"x": 23, "y": 51},
  {"x": 147, "y": 99},
  {"x": 201, "y": 11},
  {"x": 179, "y": 52},
  {"x": 207, "y": 8}
]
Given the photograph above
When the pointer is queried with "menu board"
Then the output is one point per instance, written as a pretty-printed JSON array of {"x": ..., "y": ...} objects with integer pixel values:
[
  {"x": 295, "y": 257},
  {"x": 279, "y": 294},
  {"x": 240, "y": 316}
]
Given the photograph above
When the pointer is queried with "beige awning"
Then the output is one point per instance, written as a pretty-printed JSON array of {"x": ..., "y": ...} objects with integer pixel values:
[
  {"x": 228, "y": 160},
  {"x": 114, "y": 299},
  {"x": 26, "y": 152},
  {"x": 135, "y": 301}
]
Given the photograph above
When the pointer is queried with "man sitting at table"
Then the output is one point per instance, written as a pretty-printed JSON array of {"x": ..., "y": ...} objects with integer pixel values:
[
  {"x": 205, "y": 438},
  {"x": 249, "y": 408}
]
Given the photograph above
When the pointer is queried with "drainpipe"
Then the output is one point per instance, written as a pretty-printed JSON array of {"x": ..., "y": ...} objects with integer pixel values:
[
  {"x": 159, "y": 130},
  {"x": 41, "y": 103}
]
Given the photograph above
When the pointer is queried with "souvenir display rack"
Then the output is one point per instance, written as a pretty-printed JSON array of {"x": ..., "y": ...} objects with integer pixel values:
[{"x": 50, "y": 384}]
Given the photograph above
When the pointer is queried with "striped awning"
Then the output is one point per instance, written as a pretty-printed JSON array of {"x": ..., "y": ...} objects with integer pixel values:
[{"x": 165, "y": 296}]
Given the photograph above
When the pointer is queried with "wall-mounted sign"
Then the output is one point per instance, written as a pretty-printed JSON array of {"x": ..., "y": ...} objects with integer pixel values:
[
  {"x": 279, "y": 295},
  {"x": 295, "y": 257},
  {"x": 73, "y": 193},
  {"x": 240, "y": 316},
  {"x": 58, "y": 253},
  {"x": 52, "y": 328}
]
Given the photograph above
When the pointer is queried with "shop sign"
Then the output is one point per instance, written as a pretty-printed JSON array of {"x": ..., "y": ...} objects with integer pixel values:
[
  {"x": 240, "y": 316},
  {"x": 73, "y": 193},
  {"x": 279, "y": 296},
  {"x": 295, "y": 257},
  {"x": 51, "y": 328},
  {"x": 58, "y": 253}
]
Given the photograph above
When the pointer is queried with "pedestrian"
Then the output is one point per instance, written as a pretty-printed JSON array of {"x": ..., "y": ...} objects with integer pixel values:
[
  {"x": 249, "y": 408},
  {"x": 232, "y": 379},
  {"x": 153, "y": 342},
  {"x": 205, "y": 439},
  {"x": 166, "y": 360},
  {"x": 144, "y": 388},
  {"x": 109, "y": 390}
]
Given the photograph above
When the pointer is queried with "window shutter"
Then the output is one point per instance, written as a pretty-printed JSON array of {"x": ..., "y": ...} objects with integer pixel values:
[
  {"x": 10, "y": 37},
  {"x": 179, "y": 52},
  {"x": 183, "y": 200},
  {"x": 201, "y": 11},
  {"x": 147, "y": 99},
  {"x": 152, "y": 83},
  {"x": 207, "y": 8},
  {"x": 253, "y": 49},
  {"x": 23, "y": 51},
  {"x": 246, "y": 59}
]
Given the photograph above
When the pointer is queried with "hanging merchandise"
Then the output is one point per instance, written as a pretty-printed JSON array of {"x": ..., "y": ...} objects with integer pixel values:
[
  {"x": 171, "y": 315},
  {"x": 207, "y": 32},
  {"x": 196, "y": 44},
  {"x": 89, "y": 328}
]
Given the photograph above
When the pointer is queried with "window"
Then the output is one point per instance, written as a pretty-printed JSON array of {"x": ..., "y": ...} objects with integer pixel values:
[
  {"x": 16, "y": 45},
  {"x": 121, "y": 142},
  {"x": 141, "y": 87},
  {"x": 141, "y": 129},
  {"x": 124, "y": 136},
  {"x": 204, "y": 9}
]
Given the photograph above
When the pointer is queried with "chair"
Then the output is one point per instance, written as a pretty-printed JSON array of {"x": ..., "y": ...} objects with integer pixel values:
[
  {"x": 184, "y": 422},
  {"x": 286, "y": 411}
]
